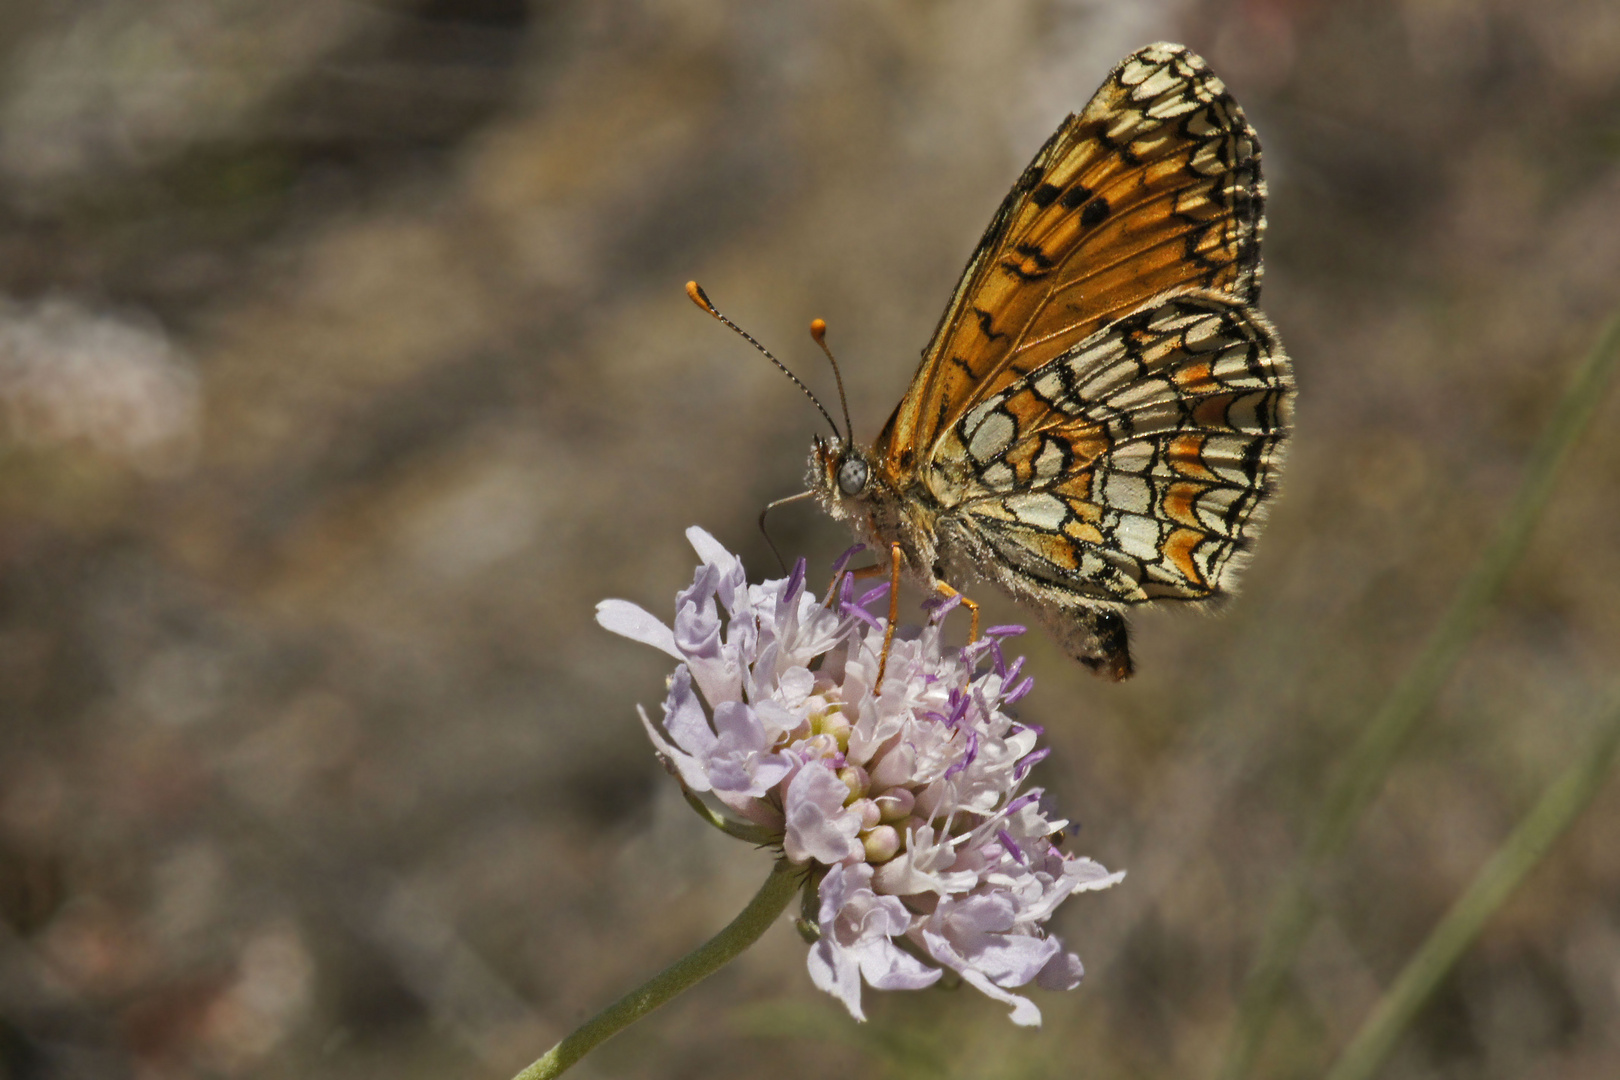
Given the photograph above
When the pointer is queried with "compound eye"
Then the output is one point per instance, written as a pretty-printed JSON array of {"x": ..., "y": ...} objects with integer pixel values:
[{"x": 852, "y": 476}]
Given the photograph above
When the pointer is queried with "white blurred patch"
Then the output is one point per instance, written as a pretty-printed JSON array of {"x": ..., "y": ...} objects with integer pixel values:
[
  {"x": 188, "y": 890},
  {"x": 275, "y": 977},
  {"x": 485, "y": 517},
  {"x": 73, "y": 376}
]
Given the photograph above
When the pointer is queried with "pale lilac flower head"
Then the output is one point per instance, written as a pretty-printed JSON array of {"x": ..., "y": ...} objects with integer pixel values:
[{"x": 907, "y": 807}]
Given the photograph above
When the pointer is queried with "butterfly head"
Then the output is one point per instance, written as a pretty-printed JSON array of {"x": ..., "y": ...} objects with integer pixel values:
[
  {"x": 853, "y": 475},
  {"x": 854, "y": 485},
  {"x": 842, "y": 474}
]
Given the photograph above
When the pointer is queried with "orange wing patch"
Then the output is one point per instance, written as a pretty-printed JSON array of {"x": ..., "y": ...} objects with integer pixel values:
[
  {"x": 1100, "y": 416},
  {"x": 1157, "y": 469},
  {"x": 1155, "y": 186}
]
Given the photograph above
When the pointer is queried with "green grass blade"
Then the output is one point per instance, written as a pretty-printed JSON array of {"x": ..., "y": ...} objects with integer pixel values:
[{"x": 1556, "y": 811}]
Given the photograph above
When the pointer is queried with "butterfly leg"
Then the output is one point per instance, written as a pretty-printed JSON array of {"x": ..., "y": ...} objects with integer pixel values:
[
  {"x": 832, "y": 590},
  {"x": 895, "y": 559},
  {"x": 973, "y": 609},
  {"x": 857, "y": 574}
]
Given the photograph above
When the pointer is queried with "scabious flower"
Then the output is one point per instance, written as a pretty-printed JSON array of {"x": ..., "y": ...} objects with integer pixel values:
[{"x": 904, "y": 803}]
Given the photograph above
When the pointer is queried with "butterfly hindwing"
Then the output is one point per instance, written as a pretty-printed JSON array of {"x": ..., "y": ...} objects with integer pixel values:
[
  {"x": 1154, "y": 186},
  {"x": 1130, "y": 467}
]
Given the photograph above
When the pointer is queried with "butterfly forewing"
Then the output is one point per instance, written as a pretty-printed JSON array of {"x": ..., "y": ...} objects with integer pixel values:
[{"x": 1155, "y": 186}]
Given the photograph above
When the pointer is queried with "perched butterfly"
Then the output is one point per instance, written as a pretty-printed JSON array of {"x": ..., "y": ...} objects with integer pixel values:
[{"x": 1100, "y": 416}]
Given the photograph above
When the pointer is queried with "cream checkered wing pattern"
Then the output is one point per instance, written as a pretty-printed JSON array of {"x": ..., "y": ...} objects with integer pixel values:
[
  {"x": 1100, "y": 416},
  {"x": 1131, "y": 467}
]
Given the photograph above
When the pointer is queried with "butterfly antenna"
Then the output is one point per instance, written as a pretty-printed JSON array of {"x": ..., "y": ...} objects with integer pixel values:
[
  {"x": 701, "y": 299},
  {"x": 766, "y": 533},
  {"x": 818, "y": 330}
]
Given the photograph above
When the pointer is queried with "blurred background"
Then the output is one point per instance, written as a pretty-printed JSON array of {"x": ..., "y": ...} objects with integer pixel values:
[{"x": 345, "y": 364}]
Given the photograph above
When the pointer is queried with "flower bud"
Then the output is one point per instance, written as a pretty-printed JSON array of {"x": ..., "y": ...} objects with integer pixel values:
[
  {"x": 871, "y": 816},
  {"x": 896, "y": 766},
  {"x": 837, "y": 725},
  {"x": 854, "y": 778},
  {"x": 881, "y": 843},
  {"x": 895, "y": 804}
]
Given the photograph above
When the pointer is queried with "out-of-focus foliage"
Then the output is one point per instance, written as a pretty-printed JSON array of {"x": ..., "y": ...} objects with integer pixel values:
[{"x": 344, "y": 364}]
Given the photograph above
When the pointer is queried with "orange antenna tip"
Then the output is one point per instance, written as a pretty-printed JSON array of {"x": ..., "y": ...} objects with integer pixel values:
[
  {"x": 818, "y": 330},
  {"x": 700, "y": 298}
]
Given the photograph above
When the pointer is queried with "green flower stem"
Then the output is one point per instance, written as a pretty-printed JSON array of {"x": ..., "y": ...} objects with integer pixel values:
[
  {"x": 685, "y": 973},
  {"x": 758, "y": 835},
  {"x": 1365, "y": 767},
  {"x": 1557, "y": 809}
]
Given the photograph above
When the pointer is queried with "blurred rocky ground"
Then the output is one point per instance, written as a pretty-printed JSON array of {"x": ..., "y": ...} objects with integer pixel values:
[{"x": 344, "y": 364}]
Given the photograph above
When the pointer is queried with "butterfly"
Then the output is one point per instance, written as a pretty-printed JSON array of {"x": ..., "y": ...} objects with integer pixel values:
[{"x": 1101, "y": 415}]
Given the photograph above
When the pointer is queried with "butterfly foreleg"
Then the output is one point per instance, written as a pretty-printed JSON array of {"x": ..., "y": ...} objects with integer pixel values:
[
  {"x": 973, "y": 608},
  {"x": 832, "y": 590},
  {"x": 859, "y": 573},
  {"x": 895, "y": 560}
]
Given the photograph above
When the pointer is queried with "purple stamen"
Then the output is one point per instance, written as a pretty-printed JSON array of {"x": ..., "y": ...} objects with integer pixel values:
[
  {"x": 795, "y": 580},
  {"x": 1012, "y": 671},
  {"x": 977, "y": 689},
  {"x": 1005, "y": 631},
  {"x": 843, "y": 560},
  {"x": 1016, "y": 694},
  {"x": 1021, "y": 802},
  {"x": 968, "y": 756},
  {"x": 1021, "y": 770},
  {"x": 862, "y": 614},
  {"x": 872, "y": 594},
  {"x": 1010, "y": 844}
]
